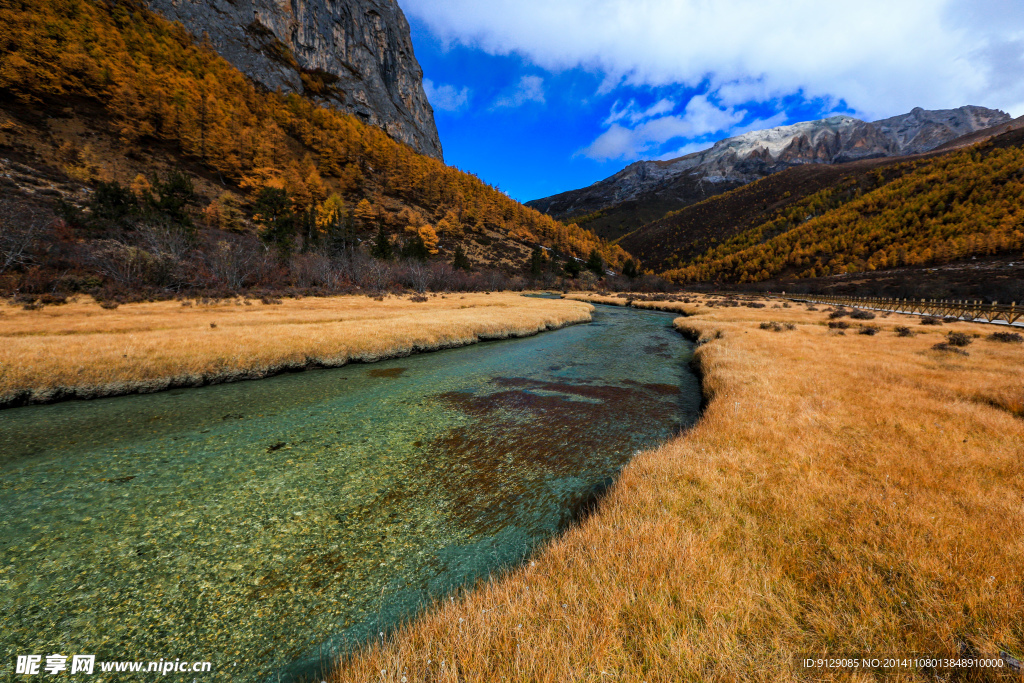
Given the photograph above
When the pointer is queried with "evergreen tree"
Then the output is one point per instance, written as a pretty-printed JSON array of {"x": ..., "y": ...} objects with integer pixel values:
[
  {"x": 340, "y": 235},
  {"x": 172, "y": 196},
  {"x": 272, "y": 212},
  {"x": 415, "y": 248},
  {"x": 537, "y": 260},
  {"x": 573, "y": 267},
  {"x": 461, "y": 260},
  {"x": 382, "y": 248},
  {"x": 629, "y": 269},
  {"x": 112, "y": 206},
  {"x": 305, "y": 224}
]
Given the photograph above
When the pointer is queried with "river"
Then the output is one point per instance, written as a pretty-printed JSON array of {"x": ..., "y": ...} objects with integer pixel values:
[{"x": 270, "y": 526}]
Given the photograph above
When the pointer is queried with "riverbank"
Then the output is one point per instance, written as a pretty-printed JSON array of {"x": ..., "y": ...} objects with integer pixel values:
[
  {"x": 80, "y": 350},
  {"x": 680, "y": 304},
  {"x": 845, "y": 493}
]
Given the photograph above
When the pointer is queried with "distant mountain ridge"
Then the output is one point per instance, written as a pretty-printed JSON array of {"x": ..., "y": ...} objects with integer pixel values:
[
  {"x": 660, "y": 186},
  {"x": 959, "y": 202}
]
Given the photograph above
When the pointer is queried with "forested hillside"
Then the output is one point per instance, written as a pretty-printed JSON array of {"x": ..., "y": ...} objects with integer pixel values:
[
  {"x": 679, "y": 236},
  {"x": 296, "y": 174},
  {"x": 923, "y": 212}
]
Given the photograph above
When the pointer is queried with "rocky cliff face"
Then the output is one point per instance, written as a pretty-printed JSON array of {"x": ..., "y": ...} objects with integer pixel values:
[
  {"x": 356, "y": 55},
  {"x": 742, "y": 159}
]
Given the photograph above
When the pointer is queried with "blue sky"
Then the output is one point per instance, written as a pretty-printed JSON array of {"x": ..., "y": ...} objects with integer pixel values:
[{"x": 542, "y": 97}]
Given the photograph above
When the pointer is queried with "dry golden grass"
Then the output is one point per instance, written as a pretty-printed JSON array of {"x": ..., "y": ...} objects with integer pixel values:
[
  {"x": 680, "y": 307},
  {"x": 844, "y": 494},
  {"x": 597, "y": 298},
  {"x": 82, "y": 346}
]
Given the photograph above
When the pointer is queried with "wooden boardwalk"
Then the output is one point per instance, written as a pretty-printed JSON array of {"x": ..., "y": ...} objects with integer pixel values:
[{"x": 968, "y": 310}]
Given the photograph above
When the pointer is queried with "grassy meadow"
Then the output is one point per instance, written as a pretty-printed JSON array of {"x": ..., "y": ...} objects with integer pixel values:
[
  {"x": 87, "y": 350},
  {"x": 845, "y": 493}
]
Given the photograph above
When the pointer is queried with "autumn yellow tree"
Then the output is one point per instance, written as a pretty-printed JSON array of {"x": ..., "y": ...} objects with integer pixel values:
[{"x": 365, "y": 214}]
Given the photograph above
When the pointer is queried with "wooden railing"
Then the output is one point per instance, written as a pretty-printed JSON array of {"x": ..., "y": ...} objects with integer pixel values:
[{"x": 971, "y": 310}]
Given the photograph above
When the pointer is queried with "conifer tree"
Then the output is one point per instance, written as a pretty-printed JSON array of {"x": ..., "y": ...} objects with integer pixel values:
[
  {"x": 272, "y": 212},
  {"x": 414, "y": 248},
  {"x": 537, "y": 260},
  {"x": 573, "y": 267},
  {"x": 382, "y": 248},
  {"x": 365, "y": 214},
  {"x": 172, "y": 196},
  {"x": 461, "y": 260},
  {"x": 429, "y": 237}
]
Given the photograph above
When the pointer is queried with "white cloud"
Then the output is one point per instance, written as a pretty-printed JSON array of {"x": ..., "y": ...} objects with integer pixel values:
[
  {"x": 881, "y": 57},
  {"x": 529, "y": 89},
  {"x": 700, "y": 117},
  {"x": 635, "y": 115},
  {"x": 763, "y": 124},
  {"x": 746, "y": 90},
  {"x": 446, "y": 97}
]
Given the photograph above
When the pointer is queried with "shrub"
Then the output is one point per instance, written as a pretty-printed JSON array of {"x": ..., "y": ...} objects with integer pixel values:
[
  {"x": 902, "y": 331},
  {"x": 838, "y": 325},
  {"x": 943, "y": 346},
  {"x": 776, "y": 327},
  {"x": 838, "y": 313},
  {"x": 958, "y": 339},
  {"x": 869, "y": 330},
  {"x": 862, "y": 315},
  {"x": 52, "y": 299},
  {"x": 1006, "y": 337},
  {"x": 931, "y": 321}
]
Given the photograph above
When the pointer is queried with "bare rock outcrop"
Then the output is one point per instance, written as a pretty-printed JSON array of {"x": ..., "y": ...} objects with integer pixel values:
[{"x": 356, "y": 55}]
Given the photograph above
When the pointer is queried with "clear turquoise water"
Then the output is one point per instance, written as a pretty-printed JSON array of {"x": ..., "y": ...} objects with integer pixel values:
[{"x": 270, "y": 526}]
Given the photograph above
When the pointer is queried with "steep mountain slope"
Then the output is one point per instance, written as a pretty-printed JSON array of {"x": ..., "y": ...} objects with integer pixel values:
[
  {"x": 982, "y": 135},
  {"x": 647, "y": 189},
  {"x": 356, "y": 55},
  {"x": 170, "y": 163},
  {"x": 686, "y": 233},
  {"x": 923, "y": 212}
]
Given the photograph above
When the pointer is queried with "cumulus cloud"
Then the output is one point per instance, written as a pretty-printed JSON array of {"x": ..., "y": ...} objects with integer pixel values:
[
  {"x": 880, "y": 57},
  {"x": 700, "y": 117},
  {"x": 529, "y": 89},
  {"x": 446, "y": 97}
]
